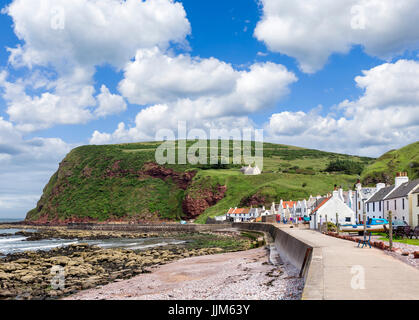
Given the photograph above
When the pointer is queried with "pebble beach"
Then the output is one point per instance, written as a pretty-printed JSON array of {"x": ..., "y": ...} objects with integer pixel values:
[{"x": 246, "y": 275}]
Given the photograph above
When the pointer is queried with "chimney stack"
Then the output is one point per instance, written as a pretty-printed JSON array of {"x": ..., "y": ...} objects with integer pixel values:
[
  {"x": 380, "y": 186},
  {"x": 401, "y": 177}
]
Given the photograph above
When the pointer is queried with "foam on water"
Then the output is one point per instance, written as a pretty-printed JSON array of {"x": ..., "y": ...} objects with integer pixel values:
[
  {"x": 13, "y": 244},
  {"x": 14, "y": 239}
]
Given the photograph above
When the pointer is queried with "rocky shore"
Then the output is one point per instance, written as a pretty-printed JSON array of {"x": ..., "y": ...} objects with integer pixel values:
[
  {"x": 63, "y": 233},
  {"x": 30, "y": 275}
]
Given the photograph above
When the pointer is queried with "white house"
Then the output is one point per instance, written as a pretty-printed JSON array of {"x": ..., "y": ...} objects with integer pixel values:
[
  {"x": 286, "y": 209},
  {"x": 221, "y": 218},
  {"x": 397, "y": 201},
  {"x": 264, "y": 212},
  {"x": 375, "y": 204},
  {"x": 244, "y": 214},
  {"x": 301, "y": 209},
  {"x": 327, "y": 207},
  {"x": 414, "y": 204},
  {"x": 238, "y": 214},
  {"x": 361, "y": 196},
  {"x": 251, "y": 171}
]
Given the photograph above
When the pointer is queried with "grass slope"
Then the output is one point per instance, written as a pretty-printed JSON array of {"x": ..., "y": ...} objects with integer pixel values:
[
  {"x": 83, "y": 188},
  {"x": 271, "y": 186},
  {"x": 384, "y": 169}
]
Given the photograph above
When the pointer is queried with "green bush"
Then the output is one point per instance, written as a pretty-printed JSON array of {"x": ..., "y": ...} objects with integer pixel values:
[{"x": 346, "y": 166}]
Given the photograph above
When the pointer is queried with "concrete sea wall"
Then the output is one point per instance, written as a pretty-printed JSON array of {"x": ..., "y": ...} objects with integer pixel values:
[
  {"x": 291, "y": 249},
  {"x": 303, "y": 255}
]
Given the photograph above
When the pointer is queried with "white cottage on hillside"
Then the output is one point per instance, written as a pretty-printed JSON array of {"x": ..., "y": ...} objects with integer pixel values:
[{"x": 251, "y": 171}]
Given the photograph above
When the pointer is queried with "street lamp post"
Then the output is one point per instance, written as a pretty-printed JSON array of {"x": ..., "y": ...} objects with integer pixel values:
[
  {"x": 337, "y": 223},
  {"x": 390, "y": 231},
  {"x": 364, "y": 217}
]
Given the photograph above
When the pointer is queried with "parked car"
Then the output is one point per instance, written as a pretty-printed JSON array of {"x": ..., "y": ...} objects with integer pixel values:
[{"x": 399, "y": 223}]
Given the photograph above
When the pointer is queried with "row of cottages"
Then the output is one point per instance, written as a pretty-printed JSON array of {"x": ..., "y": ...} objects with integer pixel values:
[
  {"x": 243, "y": 214},
  {"x": 291, "y": 209},
  {"x": 402, "y": 199}
]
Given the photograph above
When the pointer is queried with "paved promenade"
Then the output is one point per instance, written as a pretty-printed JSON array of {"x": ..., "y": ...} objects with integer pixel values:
[{"x": 341, "y": 270}]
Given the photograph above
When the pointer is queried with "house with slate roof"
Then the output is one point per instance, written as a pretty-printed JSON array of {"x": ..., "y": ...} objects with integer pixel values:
[
  {"x": 414, "y": 204},
  {"x": 327, "y": 208},
  {"x": 400, "y": 200},
  {"x": 361, "y": 196},
  {"x": 375, "y": 204}
]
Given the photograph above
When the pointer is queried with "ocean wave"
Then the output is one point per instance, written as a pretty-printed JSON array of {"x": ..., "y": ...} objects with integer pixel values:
[{"x": 2, "y": 240}]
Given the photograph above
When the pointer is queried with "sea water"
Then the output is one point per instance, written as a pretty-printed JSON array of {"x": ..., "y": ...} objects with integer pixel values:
[{"x": 12, "y": 243}]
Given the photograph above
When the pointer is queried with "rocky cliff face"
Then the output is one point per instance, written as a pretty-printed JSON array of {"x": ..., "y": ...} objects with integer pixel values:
[
  {"x": 254, "y": 200},
  {"x": 83, "y": 193},
  {"x": 194, "y": 205},
  {"x": 182, "y": 180},
  {"x": 150, "y": 169}
]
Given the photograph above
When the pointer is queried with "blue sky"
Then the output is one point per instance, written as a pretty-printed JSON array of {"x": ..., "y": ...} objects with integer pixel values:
[{"x": 338, "y": 77}]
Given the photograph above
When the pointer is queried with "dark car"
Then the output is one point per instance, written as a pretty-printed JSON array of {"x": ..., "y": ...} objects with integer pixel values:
[{"x": 399, "y": 223}]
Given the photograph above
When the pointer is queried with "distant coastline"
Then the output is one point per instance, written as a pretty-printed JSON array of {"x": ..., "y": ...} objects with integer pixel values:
[{"x": 8, "y": 220}]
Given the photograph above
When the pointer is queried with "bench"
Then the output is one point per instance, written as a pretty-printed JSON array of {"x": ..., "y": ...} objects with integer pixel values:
[
  {"x": 402, "y": 231},
  {"x": 414, "y": 233},
  {"x": 366, "y": 241}
]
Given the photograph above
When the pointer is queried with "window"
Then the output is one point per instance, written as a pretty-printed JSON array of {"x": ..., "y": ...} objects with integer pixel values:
[
  {"x": 403, "y": 204},
  {"x": 359, "y": 205},
  {"x": 418, "y": 201},
  {"x": 373, "y": 206},
  {"x": 347, "y": 219},
  {"x": 379, "y": 206},
  {"x": 395, "y": 204},
  {"x": 368, "y": 207},
  {"x": 387, "y": 204},
  {"x": 403, "y": 218}
]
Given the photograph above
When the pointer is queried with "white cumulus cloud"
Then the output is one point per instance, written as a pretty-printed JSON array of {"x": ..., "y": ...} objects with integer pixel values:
[
  {"x": 25, "y": 167},
  {"x": 92, "y": 32},
  {"x": 203, "y": 92},
  {"x": 62, "y": 44},
  {"x": 109, "y": 103},
  {"x": 311, "y": 31},
  {"x": 384, "y": 117}
]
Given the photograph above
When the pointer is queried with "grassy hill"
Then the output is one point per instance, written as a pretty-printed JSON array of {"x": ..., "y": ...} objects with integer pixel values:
[
  {"x": 384, "y": 169},
  {"x": 123, "y": 182}
]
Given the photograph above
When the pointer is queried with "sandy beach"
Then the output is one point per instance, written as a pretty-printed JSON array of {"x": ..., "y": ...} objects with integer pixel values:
[{"x": 236, "y": 275}]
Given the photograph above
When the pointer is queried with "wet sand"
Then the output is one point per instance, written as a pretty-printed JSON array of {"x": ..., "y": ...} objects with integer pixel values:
[{"x": 236, "y": 275}]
